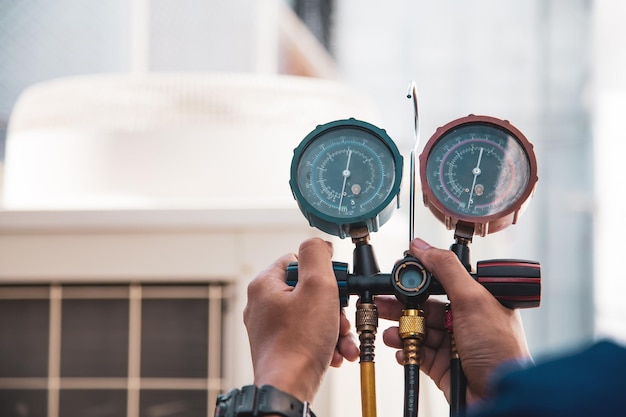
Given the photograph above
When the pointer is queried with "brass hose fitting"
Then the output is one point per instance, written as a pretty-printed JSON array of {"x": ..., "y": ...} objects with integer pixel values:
[
  {"x": 366, "y": 326},
  {"x": 412, "y": 330}
]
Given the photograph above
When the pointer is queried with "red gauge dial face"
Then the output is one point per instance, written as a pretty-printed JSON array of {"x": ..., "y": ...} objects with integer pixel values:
[{"x": 477, "y": 169}]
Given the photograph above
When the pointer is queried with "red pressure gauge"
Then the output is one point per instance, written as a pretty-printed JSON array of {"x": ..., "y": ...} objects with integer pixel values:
[{"x": 478, "y": 171}]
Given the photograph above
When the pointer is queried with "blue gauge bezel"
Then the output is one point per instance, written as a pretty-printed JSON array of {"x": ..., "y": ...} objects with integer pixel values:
[{"x": 341, "y": 226}]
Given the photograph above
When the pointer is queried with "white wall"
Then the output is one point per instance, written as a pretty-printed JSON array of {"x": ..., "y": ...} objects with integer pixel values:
[
  {"x": 92, "y": 247},
  {"x": 609, "y": 103}
]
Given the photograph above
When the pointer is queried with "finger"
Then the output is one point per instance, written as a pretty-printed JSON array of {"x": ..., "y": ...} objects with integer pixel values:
[
  {"x": 278, "y": 268},
  {"x": 344, "y": 324},
  {"x": 391, "y": 337},
  {"x": 436, "y": 364},
  {"x": 447, "y": 268},
  {"x": 337, "y": 360},
  {"x": 400, "y": 356},
  {"x": 315, "y": 271},
  {"x": 434, "y": 312},
  {"x": 347, "y": 348},
  {"x": 346, "y": 344},
  {"x": 433, "y": 338},
  {"x": 273, "y": 277},
  {"x": 437, "y": 339},
  {"x": 389, "y": 307}
]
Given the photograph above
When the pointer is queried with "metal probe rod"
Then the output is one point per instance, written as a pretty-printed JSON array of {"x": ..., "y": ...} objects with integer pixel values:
[{"x": 412, "y": 94}]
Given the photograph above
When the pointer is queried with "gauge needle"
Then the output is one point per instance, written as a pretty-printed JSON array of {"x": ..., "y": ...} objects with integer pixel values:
[
  {"x": 476, "y": 171},
  {"x": 345, "y": 174}
]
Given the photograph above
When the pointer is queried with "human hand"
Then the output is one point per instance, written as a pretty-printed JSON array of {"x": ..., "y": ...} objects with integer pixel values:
[
  {"x": 295, "y": 333},
  {"x": 486, "y": 333}
]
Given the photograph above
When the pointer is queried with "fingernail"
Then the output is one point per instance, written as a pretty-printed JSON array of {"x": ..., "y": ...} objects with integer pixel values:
[{"x": 420, "y": 244}]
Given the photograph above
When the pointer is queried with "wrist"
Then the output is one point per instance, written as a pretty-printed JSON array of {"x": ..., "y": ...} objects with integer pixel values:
[
  {"x": 294, "y": 376},
  {"x": 288, "y": 380},
  {"x": 265, "y": 401},
  {"x": 507, "y": 367}
]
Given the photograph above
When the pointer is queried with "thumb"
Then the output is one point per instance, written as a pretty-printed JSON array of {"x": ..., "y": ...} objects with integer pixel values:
[
  {"x": 447, "y": 269},
  {"x": 315, "y": 270}
]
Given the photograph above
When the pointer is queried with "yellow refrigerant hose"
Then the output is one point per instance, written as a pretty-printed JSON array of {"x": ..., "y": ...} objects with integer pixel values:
[
  {"x": 366, "y": 325},
  {"x": 368, "y": 389}
]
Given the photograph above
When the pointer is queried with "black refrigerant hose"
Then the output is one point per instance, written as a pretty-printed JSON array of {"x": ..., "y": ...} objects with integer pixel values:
[
  {"x": 411, "y": 328},
  {"x": 411, "y": 390},
  {"x": 458, "y": 386},
  {"x": 458, "y": 380}
]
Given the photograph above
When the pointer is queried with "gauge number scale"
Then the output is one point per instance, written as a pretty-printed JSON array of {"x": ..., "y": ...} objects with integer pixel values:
[
  {"x": 478, "y": 170},
  {"x": 345, "y": 175}
]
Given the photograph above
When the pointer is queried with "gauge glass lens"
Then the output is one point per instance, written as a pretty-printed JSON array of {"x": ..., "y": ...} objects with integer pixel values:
[
  {"x": 346, "y": 173},
  {"x": 478, "y": 170}
]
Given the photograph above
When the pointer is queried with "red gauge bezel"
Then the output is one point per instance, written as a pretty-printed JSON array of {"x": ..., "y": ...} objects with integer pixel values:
[{"x": 482, "y": 225}]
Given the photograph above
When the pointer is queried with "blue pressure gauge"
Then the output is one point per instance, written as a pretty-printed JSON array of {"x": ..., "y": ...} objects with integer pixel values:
[{"x": 346, "y": 176}]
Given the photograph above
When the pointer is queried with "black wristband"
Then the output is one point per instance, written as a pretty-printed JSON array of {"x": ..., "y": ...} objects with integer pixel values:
[{"x": 251, "y": 401}]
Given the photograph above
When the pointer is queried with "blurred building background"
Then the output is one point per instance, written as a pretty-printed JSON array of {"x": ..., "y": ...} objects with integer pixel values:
[{"x": 146, "y": 166}]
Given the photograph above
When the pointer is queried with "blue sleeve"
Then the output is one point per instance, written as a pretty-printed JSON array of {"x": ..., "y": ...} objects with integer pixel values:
[{"x": 588, "y": 383}]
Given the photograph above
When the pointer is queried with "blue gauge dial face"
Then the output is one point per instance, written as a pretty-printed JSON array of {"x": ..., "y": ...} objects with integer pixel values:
[
  {"x": 347, "y": 173},
  {"x": 478, "y": 170}
]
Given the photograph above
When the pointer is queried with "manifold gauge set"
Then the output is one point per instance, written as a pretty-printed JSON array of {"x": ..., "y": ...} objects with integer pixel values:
[{"x": 477, "y": 174}]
